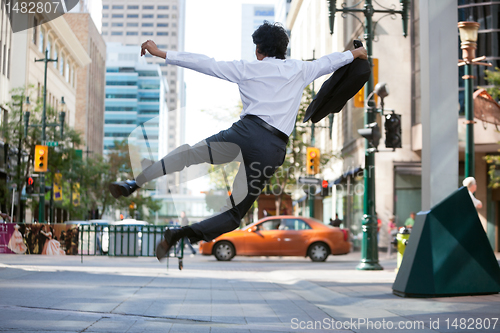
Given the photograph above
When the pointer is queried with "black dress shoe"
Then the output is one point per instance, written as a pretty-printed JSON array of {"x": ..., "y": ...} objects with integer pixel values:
[
  {"x": 124, "y": 188},
  {"x": 166, "y": 243}
]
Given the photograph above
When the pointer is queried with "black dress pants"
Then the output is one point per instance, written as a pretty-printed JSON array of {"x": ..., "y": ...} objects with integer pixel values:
[{"x": 260, "y": 154}]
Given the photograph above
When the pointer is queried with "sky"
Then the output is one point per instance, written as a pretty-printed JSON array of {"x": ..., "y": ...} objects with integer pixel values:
[{"x": 213, "y": 28}]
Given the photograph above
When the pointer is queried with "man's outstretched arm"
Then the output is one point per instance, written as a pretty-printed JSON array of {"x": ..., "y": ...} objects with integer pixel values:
[{"x": 231, "y": 71}]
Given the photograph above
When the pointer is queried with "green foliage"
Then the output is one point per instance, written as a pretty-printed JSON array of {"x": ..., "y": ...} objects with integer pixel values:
[
  {"x": 493, "y": 78},
  {"x": 93, "y": 172}
]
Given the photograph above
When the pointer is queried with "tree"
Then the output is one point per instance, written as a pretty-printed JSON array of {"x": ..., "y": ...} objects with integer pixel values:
[{"x": 493, "y": 77}]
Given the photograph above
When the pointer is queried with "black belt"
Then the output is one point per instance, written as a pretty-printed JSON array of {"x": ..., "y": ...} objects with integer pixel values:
[{"x": 268, "y": 127}]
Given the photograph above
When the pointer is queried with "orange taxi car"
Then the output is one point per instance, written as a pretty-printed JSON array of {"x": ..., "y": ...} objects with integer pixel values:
[{"x": 280, "y": 236}]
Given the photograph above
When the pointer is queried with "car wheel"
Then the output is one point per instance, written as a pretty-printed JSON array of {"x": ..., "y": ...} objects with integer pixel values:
[
  {"x": 318, "y": 252},
  {"x": 224, "y": 251}
]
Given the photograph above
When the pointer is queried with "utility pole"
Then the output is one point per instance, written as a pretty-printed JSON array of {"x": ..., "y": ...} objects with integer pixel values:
[
  {"x": 313, "y": 143},
  {"x": 369, "y": 246},
  {"x": 41, "y": 210}
]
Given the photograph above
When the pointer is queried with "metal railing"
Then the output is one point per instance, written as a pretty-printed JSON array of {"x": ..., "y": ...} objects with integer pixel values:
[{"x": 120, "y": 240}]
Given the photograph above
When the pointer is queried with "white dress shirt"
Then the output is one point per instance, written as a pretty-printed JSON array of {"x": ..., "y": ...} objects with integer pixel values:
[{"x": 271, "y": 88}]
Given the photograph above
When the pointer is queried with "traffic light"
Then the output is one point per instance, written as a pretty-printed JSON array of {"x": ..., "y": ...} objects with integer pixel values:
[
  {"x": 30, "y": 185},
  {"x": 392, "y": 130},
  {"x": 41, "y": 158},
  {"x": 325, "y": 189},
  {"x": 371, "y": 132},
  {"x": 312, "y": 160}
]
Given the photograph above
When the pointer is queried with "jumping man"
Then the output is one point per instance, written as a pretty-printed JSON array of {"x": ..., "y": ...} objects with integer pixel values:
[{"x": 271, "y": 91}]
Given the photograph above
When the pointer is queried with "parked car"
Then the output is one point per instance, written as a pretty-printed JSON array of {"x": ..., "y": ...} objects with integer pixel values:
[{"x": 280, "y": 236}]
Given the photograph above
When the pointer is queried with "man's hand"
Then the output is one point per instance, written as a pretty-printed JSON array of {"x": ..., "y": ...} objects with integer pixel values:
[
  {"x": 360, "y": 52},
  {"x": 151, "y": 47}
]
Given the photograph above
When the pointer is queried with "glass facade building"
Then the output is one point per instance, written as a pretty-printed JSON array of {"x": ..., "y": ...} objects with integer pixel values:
[{"x": 134, "y": 98}]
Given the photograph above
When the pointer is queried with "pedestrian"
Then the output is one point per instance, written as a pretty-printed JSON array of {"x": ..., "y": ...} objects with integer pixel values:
[
  {"x": 393, "y": 231},
  {"x": 336, "y": 222},
  {"x": 271, "y": 91},
  {"x": 185, "y": 223},
  {"x": 470, "y": 183},
  {"x": 410, "y": 221}
]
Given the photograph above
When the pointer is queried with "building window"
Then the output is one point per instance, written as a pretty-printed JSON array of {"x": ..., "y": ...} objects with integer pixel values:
[
  {"x": 35, "y": 28},
  {"x": 105, "y": 24},
  {"x": 40, "y": 40},
  {"x": 174, "y": 47},
  {"x": 105, "y": 15},
  {"x": 147, "y": 24},
  {"x": 174, "y": 7},
  {"x": 105, "y": 7},
  {"x": 61, "y": 65},
  {"x": 162, "y": 33},
  {"x": 132, "y": 24},
  {"x": 117, "y": 24},
  {"x": 132, "y": 7},
  {"x": 117, "y": 15},
  {"x": 174, "y": 16},
  {"x": 162, "y": 16},
  {"x": 162, "y": 25},
  {"x": 66, "y": 72},
  {"x": 132, "y": 33},
  {"x": 148, "y": 7},
  {"x": 147, "y": 16},
  {"x": 117, "y": 7},
  {"x": 162, "y": 7},
  {"x": 49, "y": 46},
  {"x": 132, "y": 15},
  {"x": 162, "y": 46},
  {"x": 174, "y": 33},
  {"x": 147, "y": 33},
  {"x": 116, "y": 33},
  {"x": 55, "y": 57},
  {"x": 104, "y": 33},
  {"x": 4, "y": 65}
]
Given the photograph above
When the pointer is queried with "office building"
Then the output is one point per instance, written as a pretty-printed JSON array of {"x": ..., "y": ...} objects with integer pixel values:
[
  {"x": 134, "y": 100},
  {"x": 252, "y": 16},
  {"x": 90, "y": 83}
]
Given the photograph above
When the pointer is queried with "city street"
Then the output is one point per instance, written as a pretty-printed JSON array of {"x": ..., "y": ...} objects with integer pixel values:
[{"x": 256, "y": 294}]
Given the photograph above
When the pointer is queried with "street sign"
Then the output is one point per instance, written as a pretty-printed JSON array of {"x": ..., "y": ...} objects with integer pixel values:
[
  {"x": 309, "y": 180},
  {"x": 52, "y": 143}
]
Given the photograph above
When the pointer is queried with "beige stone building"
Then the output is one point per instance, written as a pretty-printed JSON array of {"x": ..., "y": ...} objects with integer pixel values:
[
  {"x": 5, "y": 60},
  {"x": 90, "y": 82},
  {"x": 57, "y": 37}
]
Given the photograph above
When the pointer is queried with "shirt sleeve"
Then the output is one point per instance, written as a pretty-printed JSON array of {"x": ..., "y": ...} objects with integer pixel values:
[
  {"x": 227, "y": 70},
  {"x": 326, "y": 65}
]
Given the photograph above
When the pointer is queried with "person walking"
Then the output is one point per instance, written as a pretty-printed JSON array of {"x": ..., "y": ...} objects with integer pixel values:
[{"x": 271, "y": 92}]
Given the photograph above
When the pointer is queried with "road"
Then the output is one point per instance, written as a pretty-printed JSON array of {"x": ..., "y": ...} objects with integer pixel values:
[{"x": 258, "y": 294}]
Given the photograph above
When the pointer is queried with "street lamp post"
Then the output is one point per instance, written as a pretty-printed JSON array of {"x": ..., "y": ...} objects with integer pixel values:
[
  {"x": 369, "y": 247},
  {"x": 468, "y": 38}
]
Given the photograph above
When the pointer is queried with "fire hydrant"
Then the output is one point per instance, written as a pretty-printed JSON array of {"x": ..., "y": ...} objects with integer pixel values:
[{"x": 400, "y": 242}]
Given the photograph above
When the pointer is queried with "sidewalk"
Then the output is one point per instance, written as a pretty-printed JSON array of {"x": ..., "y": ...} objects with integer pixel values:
[{"x": 106, "y": 294}]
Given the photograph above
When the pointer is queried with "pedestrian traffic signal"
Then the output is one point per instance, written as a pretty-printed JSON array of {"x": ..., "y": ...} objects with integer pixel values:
[
  {"x": 325, "y": 188},
  {"x": 392, "y": 130},
  {"x": 41, "y": 158},
  {"x": 371, "y": 132},
  {"x": 30, "y": 185},
  {"x": 312, "y": 160}
]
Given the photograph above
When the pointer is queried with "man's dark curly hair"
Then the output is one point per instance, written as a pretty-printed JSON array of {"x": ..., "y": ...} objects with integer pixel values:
[{"x": 271, "y": 40}]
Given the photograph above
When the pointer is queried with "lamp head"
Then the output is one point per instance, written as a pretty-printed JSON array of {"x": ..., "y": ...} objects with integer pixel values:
[
  {"x": 468, "y": 37},
  {"x": 382, "y": 90}
]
